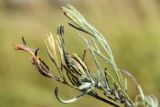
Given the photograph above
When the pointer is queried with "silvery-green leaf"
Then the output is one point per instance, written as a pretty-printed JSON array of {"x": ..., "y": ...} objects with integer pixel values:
[
  {"x": 70, "y": 100},
  {"x": 151, "y": 101}
]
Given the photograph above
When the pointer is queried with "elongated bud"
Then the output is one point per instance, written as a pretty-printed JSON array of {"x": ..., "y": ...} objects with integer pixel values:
[{"x": 60, "y": 30}]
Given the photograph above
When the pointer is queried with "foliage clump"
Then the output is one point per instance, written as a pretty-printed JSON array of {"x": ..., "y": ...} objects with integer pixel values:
[{"x": 74, "y": 72}]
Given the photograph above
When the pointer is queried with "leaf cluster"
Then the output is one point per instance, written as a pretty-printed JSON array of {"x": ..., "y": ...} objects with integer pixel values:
[{"x": 74, "y": 72}]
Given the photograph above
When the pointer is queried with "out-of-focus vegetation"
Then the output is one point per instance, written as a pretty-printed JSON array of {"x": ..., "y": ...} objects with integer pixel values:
[{"x": 130, "y": 26}]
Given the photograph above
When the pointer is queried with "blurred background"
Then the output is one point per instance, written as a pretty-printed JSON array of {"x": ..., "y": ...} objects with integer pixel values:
[{"x": 132, "y": 28}]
